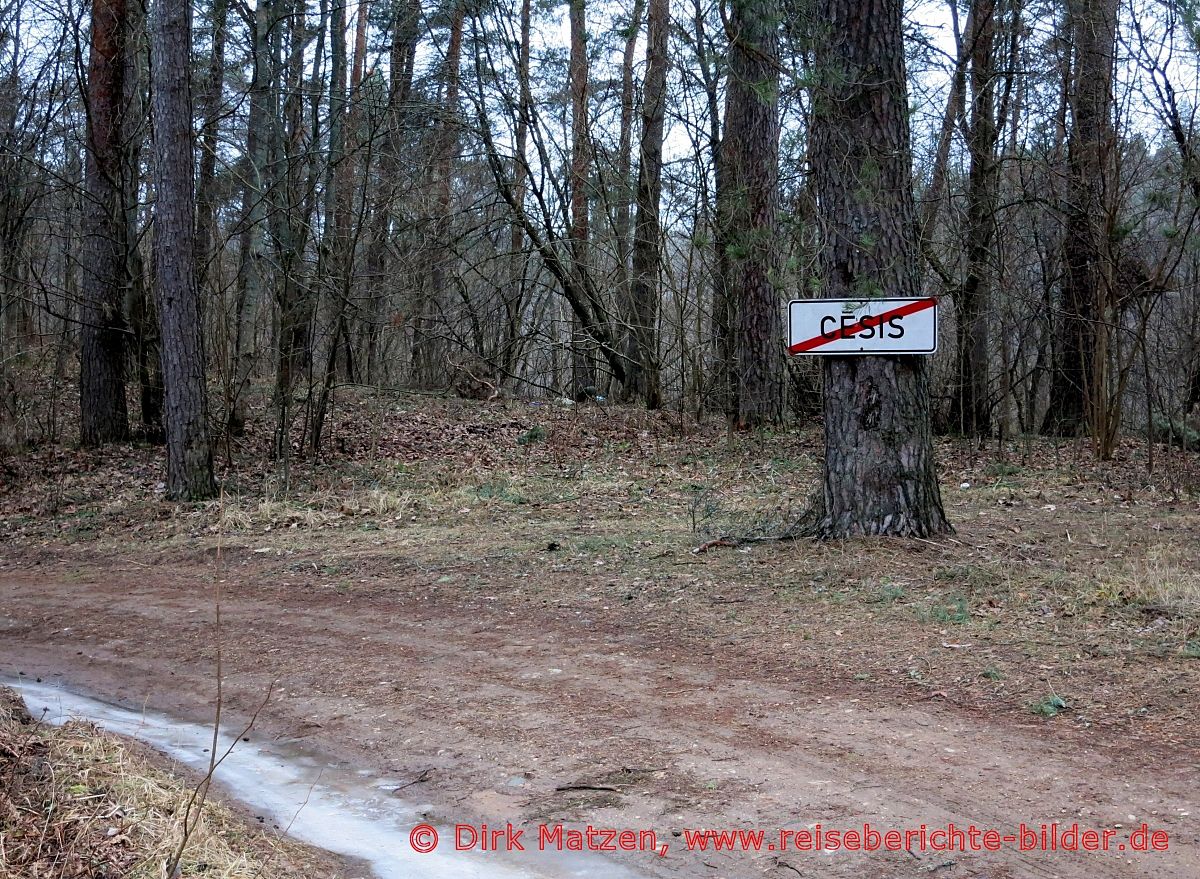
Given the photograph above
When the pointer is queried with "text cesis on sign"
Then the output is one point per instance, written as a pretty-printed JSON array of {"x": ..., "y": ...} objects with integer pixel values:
[{"x": 862, "y": 326}]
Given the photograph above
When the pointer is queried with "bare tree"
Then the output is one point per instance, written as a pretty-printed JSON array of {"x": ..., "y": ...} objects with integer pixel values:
[
  {"x": 515, "y": 296},
  {"x": 258, "y": 181},
  {"x": 104, "y": 330},
  {"x": 583, "y": 375},
  {"x": 354, "y": 225},
  {"x": 970, "y": 409},
  {"x": 750, "y": 179},
  {"x": 189, "y": 456},
  {"x": 626, "y": 193},
  {"x": 643, "y": 376},
  {"x": 1079, "y": 388}
]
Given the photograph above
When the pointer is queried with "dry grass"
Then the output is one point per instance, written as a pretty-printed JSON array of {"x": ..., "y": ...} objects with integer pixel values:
[
  {"x": 309, "y": 510},
  {"x": 1163, "y": 578},
  {"x": 76, "y": 802}
]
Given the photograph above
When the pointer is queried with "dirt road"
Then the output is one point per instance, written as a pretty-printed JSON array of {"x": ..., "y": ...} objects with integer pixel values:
[
  {"x": 499, "y": 608},
  {"x": 499, "y": 706}
]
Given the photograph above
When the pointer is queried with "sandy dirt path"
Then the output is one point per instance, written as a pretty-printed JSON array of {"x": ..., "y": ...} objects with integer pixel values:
[{"x": 487, "y": 706}]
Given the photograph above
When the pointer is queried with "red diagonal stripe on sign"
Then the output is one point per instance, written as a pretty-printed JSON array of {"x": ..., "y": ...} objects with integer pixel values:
[{"x": 847, "y": 332}]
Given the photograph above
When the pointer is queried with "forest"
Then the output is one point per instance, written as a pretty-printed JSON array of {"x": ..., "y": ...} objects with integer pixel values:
[
  {"x": 607, "y": 201},
  {"x": 694, "y": 421}
]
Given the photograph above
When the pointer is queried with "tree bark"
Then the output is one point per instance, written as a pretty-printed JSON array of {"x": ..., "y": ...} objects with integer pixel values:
[
  {"x": 514, "y": 298},
  {"x": 583, "y": 373},
  {"x": 721, "y": 311},
  {"x": 1079, "y": 382},
  {"x": 189, "y": 456},
  {"x": 335, "y": 264},
  {"x": 970, "y": 409},
  {"x": 750, "y": 172},
  {"x": 145, "y": 343},
  {"x": 626, "y": 194},
  {"x": 104, "y": 415},
  {"x": 406, "y": 15},
  {"x": 291, "y": 198},
  {"x": 260, "y": 176},
  {"x": 428, "y": 353},
  {"x": 880, "y": 477},
  {"x": 643, "y": 376}
]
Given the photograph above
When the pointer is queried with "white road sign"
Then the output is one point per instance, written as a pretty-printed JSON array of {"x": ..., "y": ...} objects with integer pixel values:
[{"x": 862, "y": 326}]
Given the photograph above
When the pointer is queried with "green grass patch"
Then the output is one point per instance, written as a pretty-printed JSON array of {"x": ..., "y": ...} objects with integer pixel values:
[
  {"x": 1050, "y": 706},
  {"x": 955, "y": 609},
  {"x": 499, "y": 490},
  {"x": 974, "y": 577},
  {"x": 601, "y": 544}
]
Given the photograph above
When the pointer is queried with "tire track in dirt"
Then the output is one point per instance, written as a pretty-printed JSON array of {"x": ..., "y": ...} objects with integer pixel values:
[{"x": 484, "y": 695}]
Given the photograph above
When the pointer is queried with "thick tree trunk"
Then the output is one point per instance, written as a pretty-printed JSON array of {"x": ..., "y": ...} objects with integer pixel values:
[
  {"x": 1079, "y": 384},
  {"x": 721, "y": 311},
  {"x": 880, "y": 477},
  {"x": 145, "y": 343},
  {"x": 291, "y": 197},
  {"x": 405, "y": 31},
  {"x": 970, "y": 409},
  {"x": 626, "y": 187},
  {"x": 647, "y": 256},
  {"x": 335, "y": 179},
  {"x": 583, "y": 372},
  {"x": 428, "y": 350},
  {"x": 514, "y": 297},
  {"x": 750, "y": 171},
  {"x": 16, "y": 324},
  {"x": 189, "y": 456},
  {"x": 626, "y": 194},
  {"x": 104, "y": 415},
  {"x": 406, "y": 15},
  {"x": 16, "y": 319},
  {"x": 260, "y": 175},
  {"x": 334, "y": 264}
]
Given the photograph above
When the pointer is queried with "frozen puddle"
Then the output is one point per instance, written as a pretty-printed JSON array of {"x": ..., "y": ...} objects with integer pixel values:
[{"x": 326, "y": 805}]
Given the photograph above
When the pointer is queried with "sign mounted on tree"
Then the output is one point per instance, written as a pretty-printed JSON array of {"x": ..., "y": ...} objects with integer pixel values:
[{"x": 862, "y": 326}]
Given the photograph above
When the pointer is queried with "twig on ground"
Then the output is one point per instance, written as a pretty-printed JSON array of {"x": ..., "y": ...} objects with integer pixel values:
[
  {"x": 424, "y": 776},
  {"x": 803, "y": 526},
  {"x": 720, "y": 541}
]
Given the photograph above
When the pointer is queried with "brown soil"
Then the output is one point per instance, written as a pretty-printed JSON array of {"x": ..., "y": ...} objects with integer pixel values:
[{"x": 495, "y": 621}]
